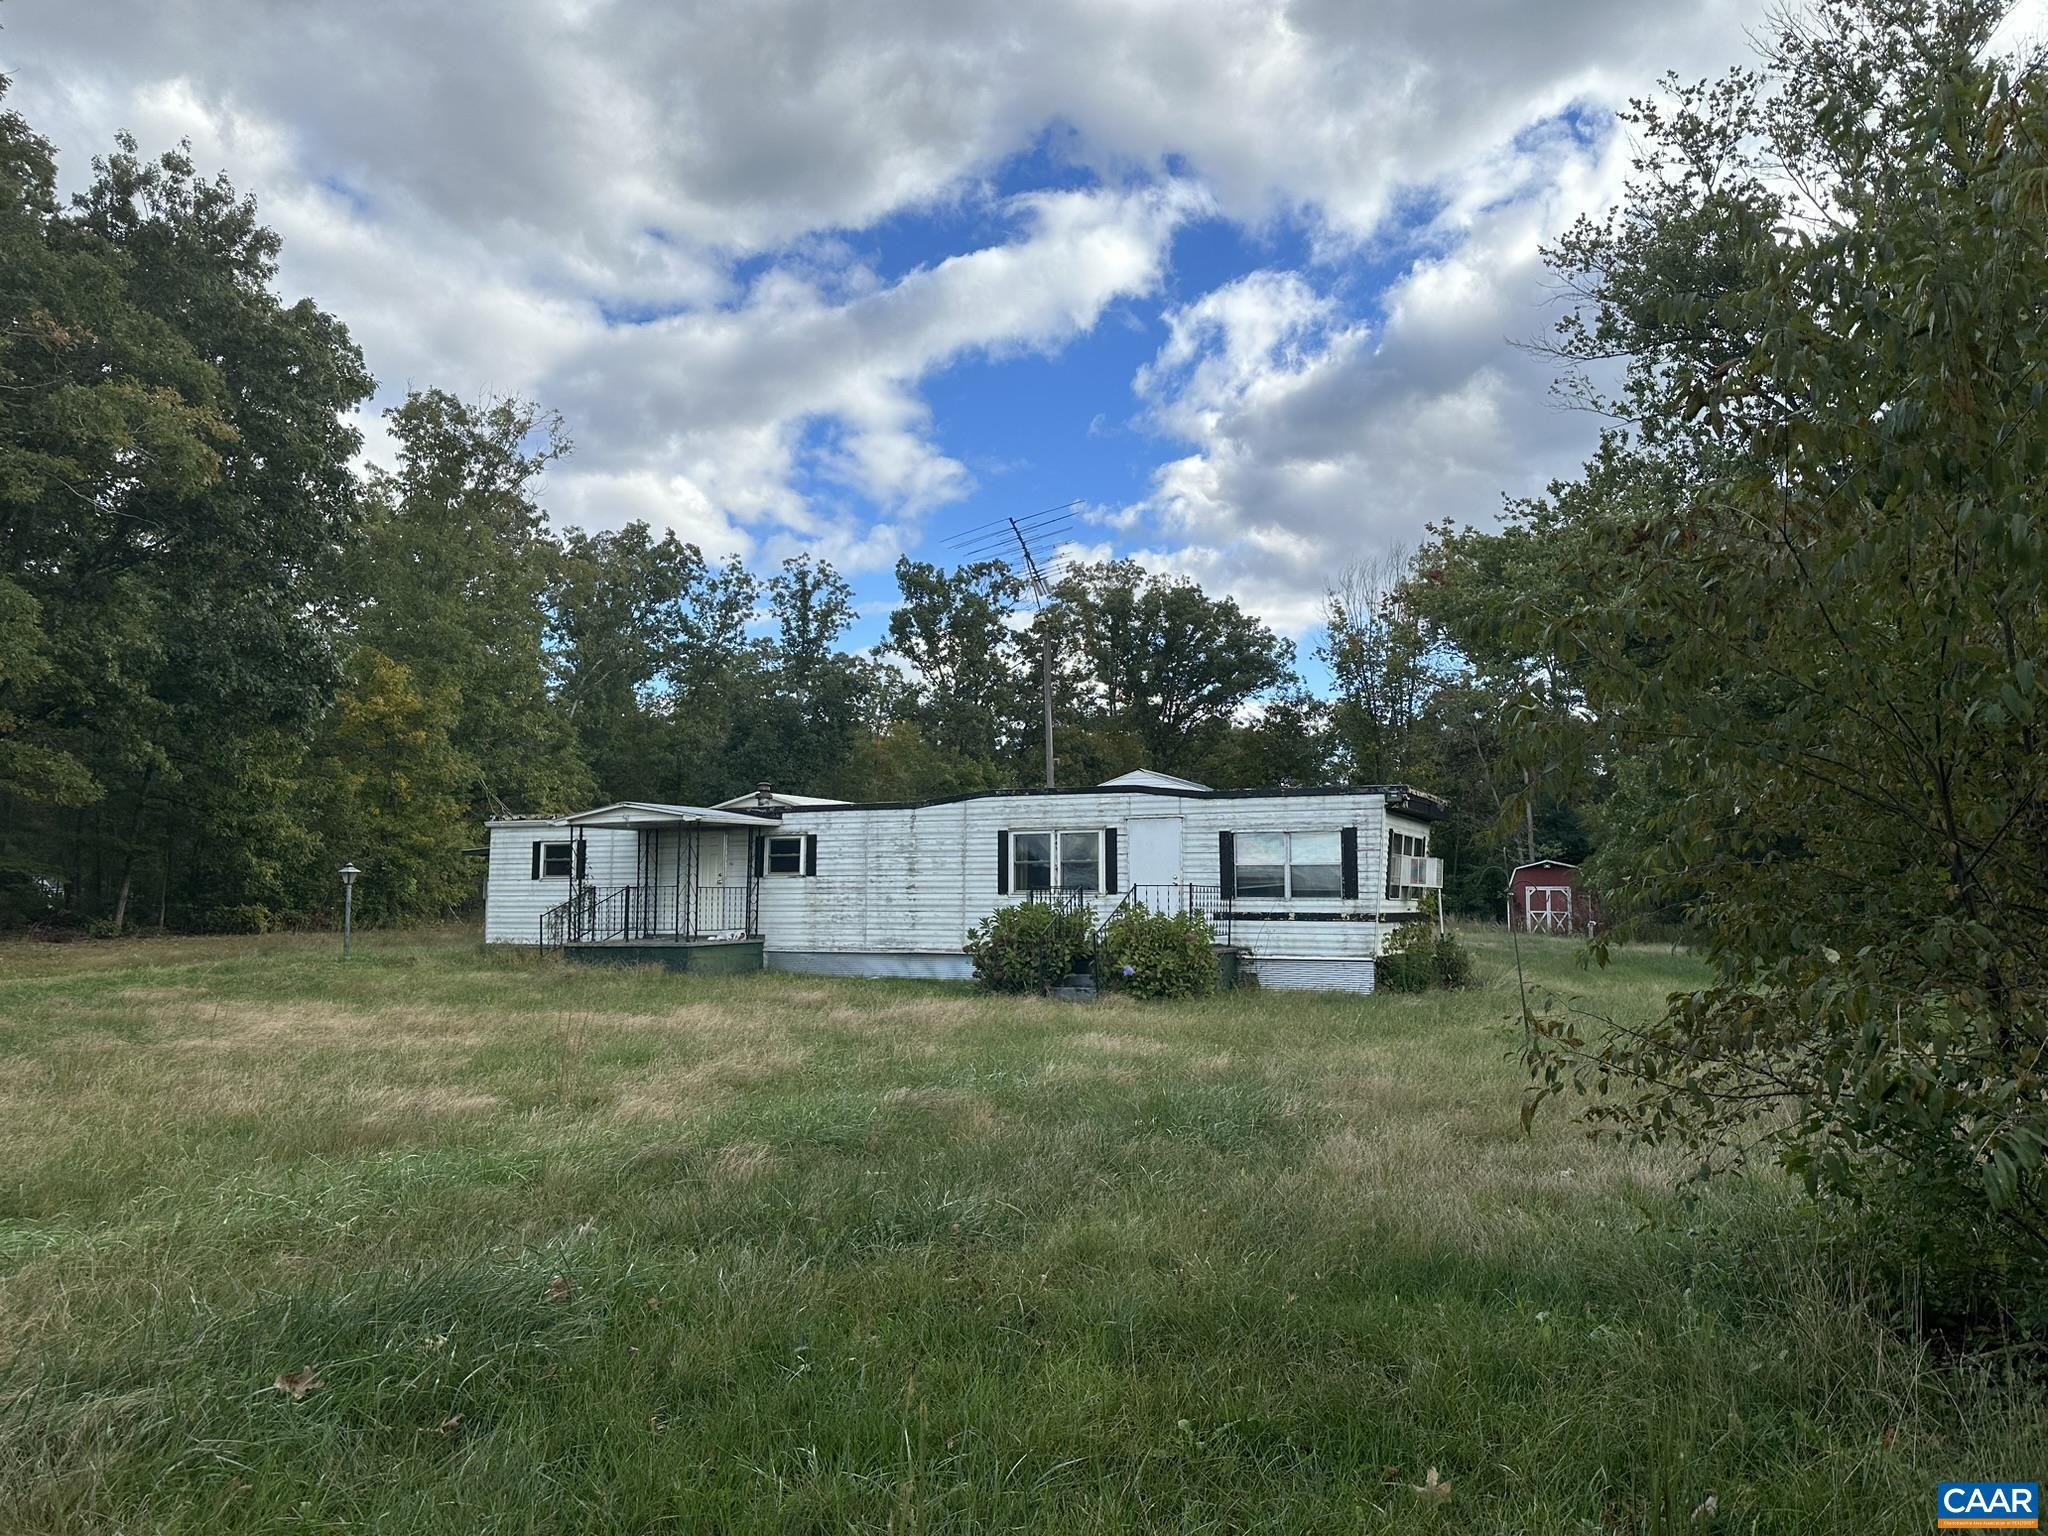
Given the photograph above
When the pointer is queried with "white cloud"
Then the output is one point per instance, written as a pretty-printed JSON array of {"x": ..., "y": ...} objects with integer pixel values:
[
  {"x": 1318, "y": 440},
  {"x": 477, "y": 189},
  {"x": 727, "y": 395}
]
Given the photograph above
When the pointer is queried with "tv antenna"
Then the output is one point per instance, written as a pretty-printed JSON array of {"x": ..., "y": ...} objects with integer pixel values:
[{"x": 992, "y": 541}]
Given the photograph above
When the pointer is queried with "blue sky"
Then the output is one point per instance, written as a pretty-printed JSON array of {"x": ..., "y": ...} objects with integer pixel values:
[{"x": 848, "y": 276}]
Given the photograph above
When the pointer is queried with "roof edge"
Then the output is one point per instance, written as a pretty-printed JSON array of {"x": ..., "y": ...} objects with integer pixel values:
[{"x": 1417, "y": 803}]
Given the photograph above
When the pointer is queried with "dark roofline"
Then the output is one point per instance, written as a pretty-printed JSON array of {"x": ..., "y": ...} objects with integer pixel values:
[{"x": 1417, "y": 803}]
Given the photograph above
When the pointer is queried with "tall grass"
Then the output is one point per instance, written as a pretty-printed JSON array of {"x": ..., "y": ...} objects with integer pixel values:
[{"x": 616, "y": 1250}]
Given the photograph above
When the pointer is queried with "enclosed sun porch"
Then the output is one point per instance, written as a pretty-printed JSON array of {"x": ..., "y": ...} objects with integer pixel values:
[{"x": 678, "y": 885}]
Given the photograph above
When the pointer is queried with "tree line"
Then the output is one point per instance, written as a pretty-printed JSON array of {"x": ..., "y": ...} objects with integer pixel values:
[
  {"x": 231, "y": 658},
  {"x": 1787, "y": 626}
]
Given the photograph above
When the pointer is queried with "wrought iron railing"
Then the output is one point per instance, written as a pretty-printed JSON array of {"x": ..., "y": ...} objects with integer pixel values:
[
  {"x": 625, "y": 913},
  {"x": 1206, "y": 901},
  {"x": 717, "y": 910}
]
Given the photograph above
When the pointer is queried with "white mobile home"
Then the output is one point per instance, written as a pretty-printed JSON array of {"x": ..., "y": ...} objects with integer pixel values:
[{"x": 1305, "y": 882}]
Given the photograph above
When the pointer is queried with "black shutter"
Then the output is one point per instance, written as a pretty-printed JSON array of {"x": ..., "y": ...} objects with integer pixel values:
[
  {"x": 1349, "y": 838},
  {"x": 1226, "y": 864},
  {"x": 1109, "y": 860},
  {"x": 536, "y": 861},
  {"x": 1002, "y": 863},
  {"x": 810, "y": 853},
  {"x": 760, "y": 856},
  {"x": 582, "y": 849}
]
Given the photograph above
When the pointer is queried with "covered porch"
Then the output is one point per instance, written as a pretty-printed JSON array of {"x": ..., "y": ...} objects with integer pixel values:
[{"x": 694, "y": 888}]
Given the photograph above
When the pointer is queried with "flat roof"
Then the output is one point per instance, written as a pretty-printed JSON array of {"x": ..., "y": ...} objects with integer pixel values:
[
  {"x": 753, "y": 797},
  {"x": 644, "y": 813},
  {"x": 1401, "y": 799}
]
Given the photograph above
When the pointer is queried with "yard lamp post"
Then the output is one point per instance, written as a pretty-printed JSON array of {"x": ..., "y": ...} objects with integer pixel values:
[{"x": 348, "y": 904}]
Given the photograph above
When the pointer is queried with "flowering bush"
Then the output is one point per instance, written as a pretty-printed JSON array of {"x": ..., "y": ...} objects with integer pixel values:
[
  {"x": 1157, "y": 954},
  {"x": 1031, "y": 946}
]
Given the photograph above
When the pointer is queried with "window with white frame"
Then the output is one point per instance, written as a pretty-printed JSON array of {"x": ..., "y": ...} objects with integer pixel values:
[
  {"x": 1056, "y": 861},
  {"x": 557, "y": 860},
  {"x": 1279, "y": 866},
  {"x": 786, "y": 855},
  {"x": 1401, "y": 847}
]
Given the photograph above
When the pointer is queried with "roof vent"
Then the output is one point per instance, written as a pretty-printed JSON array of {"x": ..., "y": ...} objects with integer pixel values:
[{"x": 764, "y": 794}]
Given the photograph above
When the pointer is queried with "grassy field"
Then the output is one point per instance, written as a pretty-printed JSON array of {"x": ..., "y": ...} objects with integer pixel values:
[{"x": 611, "y": 1250}]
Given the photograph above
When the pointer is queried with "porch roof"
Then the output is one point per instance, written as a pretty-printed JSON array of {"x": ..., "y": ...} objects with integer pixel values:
[{"x": 641, "y": 815}]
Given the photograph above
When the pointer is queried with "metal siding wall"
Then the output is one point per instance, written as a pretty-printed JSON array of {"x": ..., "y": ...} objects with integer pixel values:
[
  {"x": 1348, "y": 975},
  {"x": 514, "y": 900},
  {"x": 1292, "y": 813},
  {"x": 912, "y": 881},
  {"x": 901, "y": 964}
]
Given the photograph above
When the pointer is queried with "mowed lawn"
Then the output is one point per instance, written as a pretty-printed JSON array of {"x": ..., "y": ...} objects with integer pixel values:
[{"x": 577, "y": 1249}]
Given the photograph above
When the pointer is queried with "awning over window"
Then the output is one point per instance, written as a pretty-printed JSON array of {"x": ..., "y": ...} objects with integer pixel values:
[{"x": 642, "y": 815}]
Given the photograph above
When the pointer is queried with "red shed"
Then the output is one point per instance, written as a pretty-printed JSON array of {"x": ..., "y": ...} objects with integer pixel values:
[{"x": 1546, "y": 897}]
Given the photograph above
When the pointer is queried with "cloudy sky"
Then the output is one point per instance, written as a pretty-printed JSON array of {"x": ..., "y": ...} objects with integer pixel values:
[{"x": 850, "y": 276}]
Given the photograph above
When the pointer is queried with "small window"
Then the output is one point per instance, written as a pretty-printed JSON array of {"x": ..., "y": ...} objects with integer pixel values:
[
  {"x": 785, "y": 855},
  {"x": 1031, "y": 861},
  {"x": 557, "y": 860},
  {"x": 1401, "y": 847},
  {"x": 1081, "y": 861},
  {"x": 1056, "y": 861}
]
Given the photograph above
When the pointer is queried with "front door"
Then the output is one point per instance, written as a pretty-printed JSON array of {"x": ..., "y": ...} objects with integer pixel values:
[
  {"x": 725, "y": 903},
  {"x": 1155, "y": 861}
]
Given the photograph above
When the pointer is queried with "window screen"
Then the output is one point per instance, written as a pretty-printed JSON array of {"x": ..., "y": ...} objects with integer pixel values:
[
  {"x": 1262, "y": 864},
  {"x": 1279, "y": 865},
  {"x": 1081, "y": 861},
  {"x": 1031, "y": 861},
  {"x": 1315, "y": 864}
]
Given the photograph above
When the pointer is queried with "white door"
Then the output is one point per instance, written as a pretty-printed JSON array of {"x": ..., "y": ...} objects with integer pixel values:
[
  {"x": 1155, "y": 861},
  {"x": 725, "y": 905}
]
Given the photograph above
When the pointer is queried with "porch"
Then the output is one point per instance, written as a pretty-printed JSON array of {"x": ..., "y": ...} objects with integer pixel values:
[{"x": 693, "y": 901}]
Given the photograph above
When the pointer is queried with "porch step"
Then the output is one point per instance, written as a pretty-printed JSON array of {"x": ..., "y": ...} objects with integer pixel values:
[{"x": 1075, "y": 989}]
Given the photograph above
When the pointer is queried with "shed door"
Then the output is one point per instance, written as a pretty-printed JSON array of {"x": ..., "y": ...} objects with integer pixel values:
[
  {"x": 1550, "y": 909},
  {"x": 1155, "y": 861}
]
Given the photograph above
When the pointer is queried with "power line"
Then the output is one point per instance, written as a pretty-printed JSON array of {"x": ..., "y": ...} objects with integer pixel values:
[{"x": 1003, "y": 525}]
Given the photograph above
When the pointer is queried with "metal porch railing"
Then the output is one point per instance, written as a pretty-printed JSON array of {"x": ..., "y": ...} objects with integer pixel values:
[{"x": 653, "y": 913}]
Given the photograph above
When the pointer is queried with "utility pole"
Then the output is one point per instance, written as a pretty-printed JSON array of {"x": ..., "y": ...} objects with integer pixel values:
[
  {"x": 1045, "y": 682},
  {"x": 1043, "y": 592},
  {"x": 992, "y": 541}
]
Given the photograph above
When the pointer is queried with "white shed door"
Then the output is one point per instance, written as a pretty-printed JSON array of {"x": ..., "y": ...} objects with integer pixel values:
[
  {"x": 1550, "y": 909},
  {"x": 1154, "y": 860}
]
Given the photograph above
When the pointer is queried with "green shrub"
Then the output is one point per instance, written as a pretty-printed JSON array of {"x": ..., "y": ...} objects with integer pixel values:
[
  {"x": 1030, "y": 946},
  {"x": 1159, "y": 954},
  {"x": 1405, "y": 971},
  {"x": 1453, "y": 963},
  {"x": 1417, "y": 957},
  {"x": 250, "y": 918}
]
